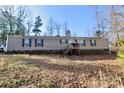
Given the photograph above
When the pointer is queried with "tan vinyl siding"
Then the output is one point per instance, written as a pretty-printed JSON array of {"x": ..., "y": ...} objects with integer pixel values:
[
  {"x": 14, "y": 43},
  {"x": 100, "y": 44}
]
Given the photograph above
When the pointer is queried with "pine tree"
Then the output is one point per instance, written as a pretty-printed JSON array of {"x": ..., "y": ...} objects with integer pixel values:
[{"x": 38, "y": 23}]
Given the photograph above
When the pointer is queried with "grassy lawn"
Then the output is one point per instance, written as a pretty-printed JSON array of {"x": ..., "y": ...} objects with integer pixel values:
[{"x": 23, "y": 70}]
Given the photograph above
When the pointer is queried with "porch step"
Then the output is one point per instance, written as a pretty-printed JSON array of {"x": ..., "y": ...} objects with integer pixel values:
[{"x": 66, "y": 51}]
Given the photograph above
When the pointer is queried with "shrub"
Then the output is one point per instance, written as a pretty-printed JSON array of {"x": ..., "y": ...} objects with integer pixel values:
[{"x": 120, "y": 54}]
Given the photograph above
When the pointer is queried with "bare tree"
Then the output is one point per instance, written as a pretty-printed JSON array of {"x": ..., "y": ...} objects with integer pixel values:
[
  {"x": 116, "y": 25},
  {"x": 120, "y": 18},
  {"x": 88, "y": 32},
  {"x": 114, "y": 22},
  {"x": 29, "y": 25},
  {"x": 57, "y": 27},
  {"x": 3, "y": 31},
  {"x": 104, "y": 24},
  {"x": 65, "y": 26},
  {"x": 14, "y": 15},
  {"x": 101, "y": 23},
  {"x": 122, "y": 12},
  {"x": 29, "y": 20},
  {"x": 50, "y": 27},
  {"x": 98, "y": 24},
  {"x": 8, "y": 14},
  {"x": 97, "y": 14},
  {"x": 21, "y": 15}
]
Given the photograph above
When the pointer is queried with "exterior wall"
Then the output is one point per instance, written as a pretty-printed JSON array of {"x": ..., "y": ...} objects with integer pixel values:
[
  {"x": 100, "y": 44},
  {"x": 14, "y": 43}
]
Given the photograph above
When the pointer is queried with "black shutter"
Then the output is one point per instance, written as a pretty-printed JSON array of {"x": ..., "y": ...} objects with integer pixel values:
[
  {"x": 84, "y": 42},
  {"x": 66, "y": 41},
  {"x": 23, "y": 42},
  {"x": 60, "y": 41},
  {"x": 91, "y": 42},
  {"x": 35, "y": 42},
  {"x": 41, "y": 42},
  {"x": 95, "y": 42},
  {"x": 29, "y": 42}
]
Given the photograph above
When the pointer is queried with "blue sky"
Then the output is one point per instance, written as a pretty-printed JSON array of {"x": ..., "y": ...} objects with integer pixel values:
[{"x": 79, "y": 18}]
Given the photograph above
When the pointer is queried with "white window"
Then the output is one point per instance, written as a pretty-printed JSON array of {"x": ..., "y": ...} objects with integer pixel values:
[
  {"x": 39, "y": 42},
  {"x": 82, "y": 42},
  {"x": 73, "y": 41},
  {"x": 63, "y": 41},
  {"x": 93, "y": 42},
  {"x": 26, "y": 42}
]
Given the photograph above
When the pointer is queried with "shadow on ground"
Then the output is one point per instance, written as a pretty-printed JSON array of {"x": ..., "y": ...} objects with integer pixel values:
[
  {"x": 86, "y": 57},
  {"x": 78, "y": 68},
  {"x": 93, "y": 57}
]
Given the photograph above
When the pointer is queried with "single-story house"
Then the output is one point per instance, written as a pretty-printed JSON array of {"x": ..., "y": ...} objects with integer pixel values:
[{"x": 53, "y": 43}]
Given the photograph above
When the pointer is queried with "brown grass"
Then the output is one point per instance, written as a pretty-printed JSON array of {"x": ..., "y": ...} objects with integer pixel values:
[{"x": 23, "y": 70}]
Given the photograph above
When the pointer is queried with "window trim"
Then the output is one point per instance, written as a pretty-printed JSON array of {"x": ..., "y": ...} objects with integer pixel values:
[
  {"x": 25, "y": 44},
  {"x": 65, "y": 42},
  {"x": 84, "y": 43},
  {"x": 93, "y": 43},
  {"x": 41, "y": 42}
]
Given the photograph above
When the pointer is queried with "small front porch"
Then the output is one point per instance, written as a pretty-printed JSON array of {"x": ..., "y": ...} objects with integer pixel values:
[{"x": 72, "y": 48}]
